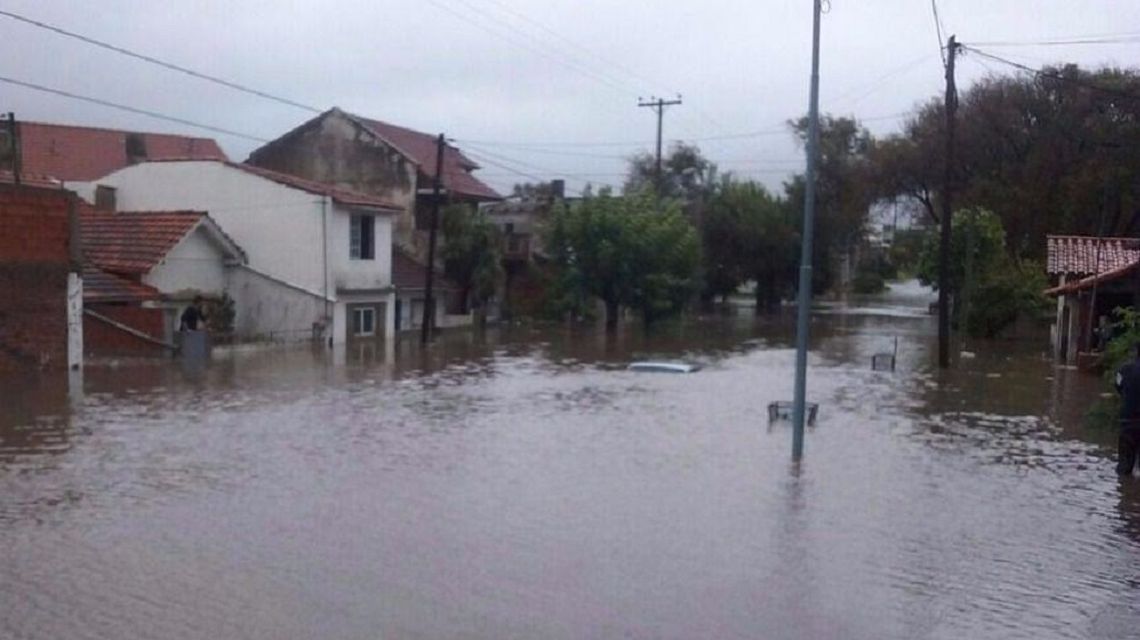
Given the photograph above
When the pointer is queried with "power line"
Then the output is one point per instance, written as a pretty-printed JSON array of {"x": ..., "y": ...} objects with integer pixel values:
[
  {"x": 1054, "y": 76},
  {"x": 938, "y": 30},
  {"x": 1053, "y": 43},
  {"x": 129, "y": 109},
  {"x": 152, "y": 60}
]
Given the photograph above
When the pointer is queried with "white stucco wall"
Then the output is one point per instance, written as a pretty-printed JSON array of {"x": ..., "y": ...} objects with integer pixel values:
[
  {"x": 196, "y": 264},
  {"x": 349, "y": 273},
  {"x": 279, "y": 227},
  {"x": 266, "y": 309},
  {"x": 287, "y": 234}
]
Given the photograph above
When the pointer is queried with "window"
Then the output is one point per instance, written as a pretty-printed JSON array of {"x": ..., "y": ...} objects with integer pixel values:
[
  {"x": 362, "y": 238},
  {"x": 364, "y": 321}
]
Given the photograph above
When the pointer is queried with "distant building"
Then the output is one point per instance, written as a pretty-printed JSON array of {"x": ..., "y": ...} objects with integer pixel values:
[
  {"x": 408, "y": 275},
  {"x": 41, "y": 286},
  {"x": 521, "y": 222},
  {"x": 319, "y": 262},
  {"x": 1090, "y": 277},
  {"x": 381, "y": 159},
  {"x": 69, "y": 153}
]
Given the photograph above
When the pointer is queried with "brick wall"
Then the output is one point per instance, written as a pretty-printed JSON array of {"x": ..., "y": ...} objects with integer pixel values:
[
  {"x": 103, "y": 339},
  {"x": 35, "y": 258}
]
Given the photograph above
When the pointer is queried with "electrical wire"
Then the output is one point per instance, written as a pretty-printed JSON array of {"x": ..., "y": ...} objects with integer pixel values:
[
  {"x": 162, "y": 63},
  {"x": 129, "y": 109},
  {"x": 1054, "y": 76},
  {"x": 938, "y": 30}
]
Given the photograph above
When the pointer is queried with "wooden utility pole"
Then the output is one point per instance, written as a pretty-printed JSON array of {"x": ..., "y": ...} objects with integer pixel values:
[
  {"x": 658, "y": 105},
  {"x": 429, "y": 300},
  {"x": 947, "y": 209}
]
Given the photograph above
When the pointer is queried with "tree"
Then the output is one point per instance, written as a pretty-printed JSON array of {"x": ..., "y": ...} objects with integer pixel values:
[
  {"x": 989, "y": 288},
  {"x": 749, "y": 235},
  {"x": 624, "y": 251},
  {"x": 844, "y": 192},
  {"x": 1048, "y": 152},
  {"x": 686, "y": 174},
  {"x": 471, "y": 254}
]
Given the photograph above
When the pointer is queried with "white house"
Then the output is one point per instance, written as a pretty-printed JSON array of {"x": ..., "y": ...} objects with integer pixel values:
[{"x": 319, "y": 262}]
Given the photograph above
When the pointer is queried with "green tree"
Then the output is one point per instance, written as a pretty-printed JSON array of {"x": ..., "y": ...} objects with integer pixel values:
[
  {"x": 748, "y": 234},
  {"x": 687, "y": 175},
  {"x": 844, "y": 193},
  {"x": 471, "y": 255},
  {"x": 989, "y": 288},
  {"x": 625, "y": 252}
]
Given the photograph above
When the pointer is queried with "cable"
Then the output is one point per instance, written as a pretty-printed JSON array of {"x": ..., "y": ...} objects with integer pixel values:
[
  {"x": 168, "y": 65},
  {"x": 1054, "y": 76},
  {"x": 129, "y": 109},
  {"x": 938, "y": 30}
]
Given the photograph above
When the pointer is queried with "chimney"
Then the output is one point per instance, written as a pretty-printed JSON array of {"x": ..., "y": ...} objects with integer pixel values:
[
  {"x": 136, "y": 148},
  {"x": 557, "y": 189},
  {"x": 105, "y": 198}
]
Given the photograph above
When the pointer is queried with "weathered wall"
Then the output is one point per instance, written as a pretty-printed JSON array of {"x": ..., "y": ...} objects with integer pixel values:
[
  {"x": 103, "y": 339},
  {"x": 336, "y": 150},
  {"x": 35, "y": 260},
  {"x": 268, "y": 309}
]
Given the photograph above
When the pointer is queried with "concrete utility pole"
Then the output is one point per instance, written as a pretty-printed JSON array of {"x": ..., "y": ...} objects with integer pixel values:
[
  {"x": 947, "y": 209},
  {"x": 803, "y": 302},
  {"x": 429, "y": 300},
  {"x": 658, "y": 105}
]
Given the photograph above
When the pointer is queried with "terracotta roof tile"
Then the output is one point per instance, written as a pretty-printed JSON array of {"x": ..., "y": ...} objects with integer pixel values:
[
  {"x": 408, "y": 273},
  {"x": 421, "y": 147},
  {"x": 132, "y": 243},
  {"x": 83, "y": 154},
  {"x": 1077, "y": 255},
  {"x": 100, "y": 286}
]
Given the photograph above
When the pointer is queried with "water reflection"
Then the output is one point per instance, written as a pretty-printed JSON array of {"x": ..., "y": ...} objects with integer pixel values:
[{"x": 522, "y": 483}]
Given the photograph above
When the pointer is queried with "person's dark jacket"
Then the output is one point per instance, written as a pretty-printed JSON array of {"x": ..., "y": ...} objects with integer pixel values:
[{"x": 1128, "y": 386}]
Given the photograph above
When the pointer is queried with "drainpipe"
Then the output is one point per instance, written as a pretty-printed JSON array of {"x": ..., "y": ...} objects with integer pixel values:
[{"x": 325, "y": 259}]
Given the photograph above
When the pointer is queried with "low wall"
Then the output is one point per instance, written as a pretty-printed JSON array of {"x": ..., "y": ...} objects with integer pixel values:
[
  {"x": 267, "y": 309},
  {"x": 103, "y": 339}
]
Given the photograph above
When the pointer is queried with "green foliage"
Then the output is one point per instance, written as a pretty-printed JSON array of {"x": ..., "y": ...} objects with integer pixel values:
[
  {"x": 1003, "y": 295},
  {"x": 1119, "y": 350},
  {"x": 1045, "y": 152},
  {"x": 471, "y": 253},
  {"x": 990, "y": 290},
  {"x": 906, "y": 250},
  {"x": 220, "y": 315},
  {"x": 748, "y": 235},
  {"x": 844, "y": 193},
  {"x": 977, "y": 243},
  {"x": 625, "y": 251},
  {"x": 1121, "y": 347},
  {"x": 686, "y": 174}
]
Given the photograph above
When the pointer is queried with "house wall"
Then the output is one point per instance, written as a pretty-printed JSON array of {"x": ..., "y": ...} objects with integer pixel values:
[
  {"x": 279, "y": 227},
  {"x": 353, "y": 274},
  {"x": 268, "y": 309},
  {"x": 336, "y": 150},
  {"x": 288, "y": 236},
  {"x": 195, "y": 265},
  {"x": 36, "y": 238}
]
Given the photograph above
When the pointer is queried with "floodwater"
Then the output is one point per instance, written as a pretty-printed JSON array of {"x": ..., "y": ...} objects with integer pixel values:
[{"x": 523, "y": 485}]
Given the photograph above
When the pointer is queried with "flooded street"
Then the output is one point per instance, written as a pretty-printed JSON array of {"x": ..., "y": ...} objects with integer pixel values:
[{"x": 526, "y": 486}]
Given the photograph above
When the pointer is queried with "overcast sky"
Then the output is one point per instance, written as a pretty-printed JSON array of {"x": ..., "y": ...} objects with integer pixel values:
[{"x": 547, "y": 88}]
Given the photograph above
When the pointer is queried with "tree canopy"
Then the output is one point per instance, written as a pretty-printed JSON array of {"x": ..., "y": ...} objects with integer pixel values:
[{"x": 626, "y": 251}]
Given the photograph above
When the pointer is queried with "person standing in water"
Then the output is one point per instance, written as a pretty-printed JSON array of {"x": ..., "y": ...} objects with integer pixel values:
[
  {"x": 1128, "y": 386},
  {"x": 193, "y": 318}
]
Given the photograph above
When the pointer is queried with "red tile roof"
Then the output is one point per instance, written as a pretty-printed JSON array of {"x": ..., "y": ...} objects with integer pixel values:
[
  {"x": 421, "y": 148},
  {"x": 408, "y": 273},
  {"x": 83, "y": 154},
  {"x": 1077, "y": 255},
  {"x": 132, "y": 243},
  {"x": 100, "y": 286}
]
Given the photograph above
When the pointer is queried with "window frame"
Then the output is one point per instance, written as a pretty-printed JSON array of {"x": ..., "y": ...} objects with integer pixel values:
[
  {"x": 358, "y": 315},
  {"x": 362, "y": 237}
]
